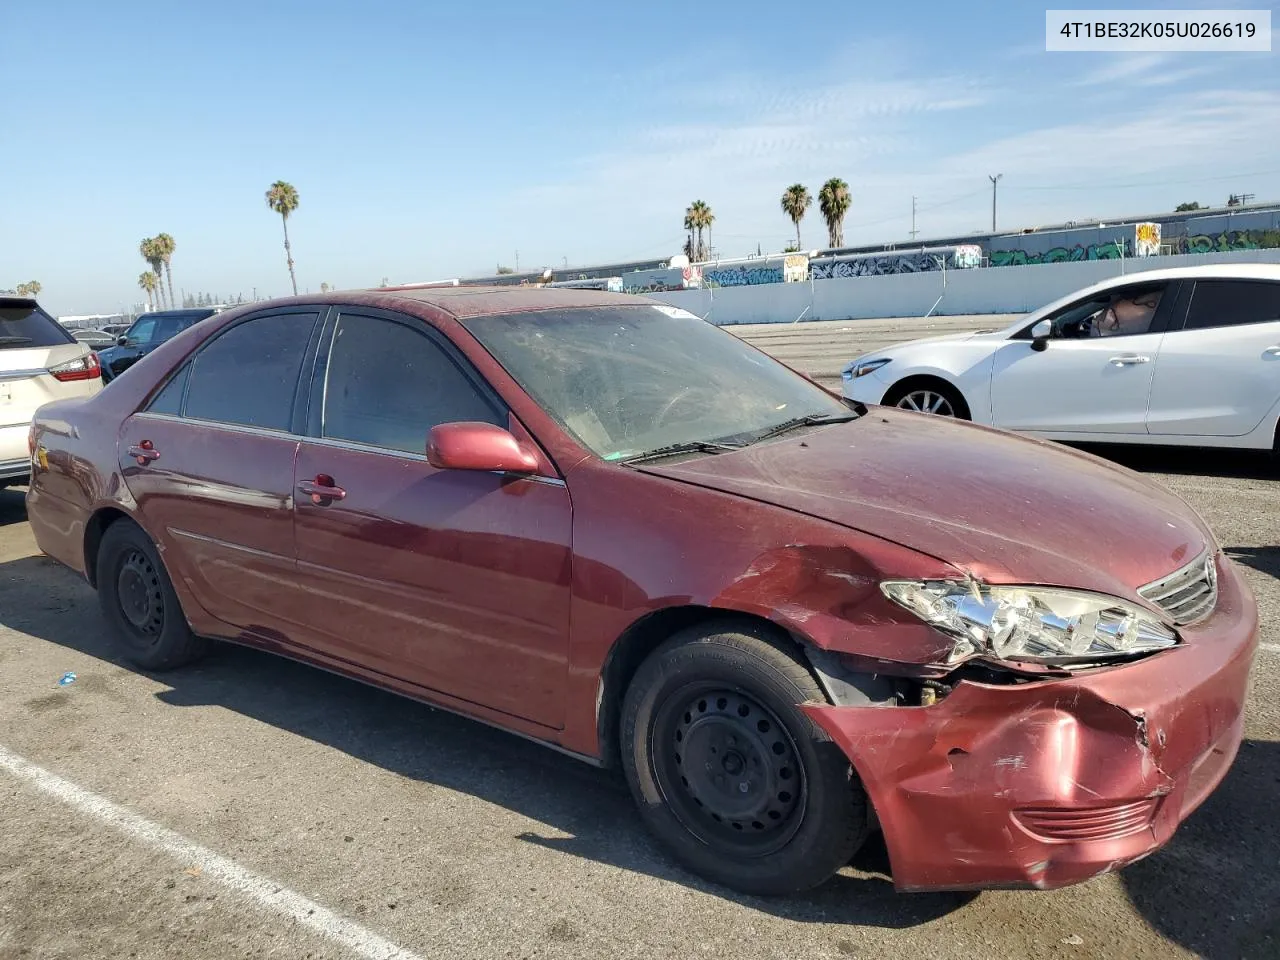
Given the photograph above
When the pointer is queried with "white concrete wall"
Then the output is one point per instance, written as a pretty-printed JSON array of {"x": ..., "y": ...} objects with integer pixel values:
[{"x": 987, "y": 290}]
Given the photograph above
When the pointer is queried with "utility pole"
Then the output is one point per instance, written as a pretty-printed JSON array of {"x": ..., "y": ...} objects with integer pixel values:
[
  {"x": 517, "y": 261},
  {"x": 913, "y": 219},
  {"x": 994, "y": 180}
]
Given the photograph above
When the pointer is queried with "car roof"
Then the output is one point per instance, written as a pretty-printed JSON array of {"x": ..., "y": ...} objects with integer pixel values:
[
  {"x": 9, "y": 300},
  {"x": 185, "y": 312},
  {"x": 461, "y": 302}
]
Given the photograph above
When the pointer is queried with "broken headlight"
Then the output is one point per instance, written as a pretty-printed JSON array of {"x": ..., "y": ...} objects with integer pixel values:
[{"x": 1040, "y": 624}]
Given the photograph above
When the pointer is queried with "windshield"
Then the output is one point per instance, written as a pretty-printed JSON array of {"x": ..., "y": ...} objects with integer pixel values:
[
  {"x": 26, "y": 325},
  {"x": 625, "y": 380}
]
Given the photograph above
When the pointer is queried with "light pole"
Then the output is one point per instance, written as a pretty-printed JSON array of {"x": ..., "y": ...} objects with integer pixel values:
[
  {"x": 994, "y": 180},
  {"x": 913, "y": 219}
]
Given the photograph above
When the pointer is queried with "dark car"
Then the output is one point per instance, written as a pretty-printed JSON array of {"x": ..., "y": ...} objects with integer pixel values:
[
  {"x": 607, "y": 525},
  {"x": 147, "y": 332},
  {"x": 95, "y": 340}
]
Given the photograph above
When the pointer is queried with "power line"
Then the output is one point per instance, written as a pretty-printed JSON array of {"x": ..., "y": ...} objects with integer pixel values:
[{"x": 1149, "y": 183}]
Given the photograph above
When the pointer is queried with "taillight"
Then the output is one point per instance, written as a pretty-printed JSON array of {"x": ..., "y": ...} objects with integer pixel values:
[{"x": 81, "y": 368}]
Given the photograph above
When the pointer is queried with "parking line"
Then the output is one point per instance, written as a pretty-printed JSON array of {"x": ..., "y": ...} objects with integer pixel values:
[
  {"x": 1270, "y": 647},
  {"x": 265, "y": 892}
]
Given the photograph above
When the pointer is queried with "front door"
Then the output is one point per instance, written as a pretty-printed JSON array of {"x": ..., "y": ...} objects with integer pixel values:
[
  {"x": 1220, "y": 374},
  {"x": 210, "y": 464},
  {"x": 1094, "y": 376},
  {"x": 453, "y": 580}
]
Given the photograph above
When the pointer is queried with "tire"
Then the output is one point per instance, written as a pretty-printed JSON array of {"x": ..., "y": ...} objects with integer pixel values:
[
  {"x": 909, "y": 394},
  {"x": 139, "y": 602},
  {"x": 729, "y": 696}
]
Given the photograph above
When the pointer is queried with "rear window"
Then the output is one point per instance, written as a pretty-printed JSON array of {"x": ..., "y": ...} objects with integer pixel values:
[{"x": 24, "y": 325}]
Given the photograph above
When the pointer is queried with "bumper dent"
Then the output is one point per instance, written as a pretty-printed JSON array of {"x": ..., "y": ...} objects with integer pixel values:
[{"x": 1047, "y": 784}]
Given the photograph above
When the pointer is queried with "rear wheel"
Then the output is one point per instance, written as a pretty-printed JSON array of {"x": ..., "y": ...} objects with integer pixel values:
[
  {"x": 928, "y": 396},
  {"x": 139, "y": 602},
  {"x": 731, "y": 776}
]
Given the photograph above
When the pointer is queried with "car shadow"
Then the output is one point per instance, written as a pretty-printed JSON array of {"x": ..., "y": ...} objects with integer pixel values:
[
  {"x": 1263, "y": 559},
  {"x": 1195, "y": 461},
  {"x": 13, "y": 505},
  {"x": 1215, "y": 890},
  {"x": 592, "y": 806}
]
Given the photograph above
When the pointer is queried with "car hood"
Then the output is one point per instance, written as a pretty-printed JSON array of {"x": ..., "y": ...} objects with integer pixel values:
[{"x": 1004, "y": 508}]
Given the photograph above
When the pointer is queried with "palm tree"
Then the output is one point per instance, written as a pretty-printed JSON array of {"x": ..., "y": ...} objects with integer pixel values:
[
  {"x": 31, "y": 289},
  {"x": 166, "y": 245},
  {"x": 795, "y": 201},
  {"x": 689, "y": 250},
  {"x": 699, "y": 215},
  {"x": 283, "y": 199},
  {"x": 149, "y": 282},
  {"x": 834, "y": 201},
  {"x": 150, "y": 248}
]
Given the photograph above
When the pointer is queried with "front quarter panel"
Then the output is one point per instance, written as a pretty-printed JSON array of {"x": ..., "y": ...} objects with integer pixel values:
[{"x": 643, "y": 544}]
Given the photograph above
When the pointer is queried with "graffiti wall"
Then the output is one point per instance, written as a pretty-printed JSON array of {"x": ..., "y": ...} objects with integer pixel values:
[
  {"x": 662, "y": 279},
  {"x": 1227, "y": 240},
  {"x": 961, "y": 257},
  {"x": 1075, "y": 246},
  {"x": 743, "y": 275}
]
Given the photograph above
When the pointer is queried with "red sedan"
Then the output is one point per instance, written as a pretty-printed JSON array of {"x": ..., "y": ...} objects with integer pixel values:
[{"x": 604, "y": 524}]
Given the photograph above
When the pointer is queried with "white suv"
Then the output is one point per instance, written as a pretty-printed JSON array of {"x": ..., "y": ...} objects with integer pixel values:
[{"x": 39, "y": 362}]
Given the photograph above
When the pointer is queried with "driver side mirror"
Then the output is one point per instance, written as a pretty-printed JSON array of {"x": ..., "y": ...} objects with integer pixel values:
[
  {"x": 122, "y": 341},
  {"x": 478, "y": 446},
  {"x": 1040, "y": 334}
]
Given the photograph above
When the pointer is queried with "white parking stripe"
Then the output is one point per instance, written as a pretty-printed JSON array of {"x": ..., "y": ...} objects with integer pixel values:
[
  {"x": 1270, "y": 647},
  {"x": 263, "y": 891}
]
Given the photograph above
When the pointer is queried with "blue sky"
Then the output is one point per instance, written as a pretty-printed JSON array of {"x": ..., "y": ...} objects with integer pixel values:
[{"x": 431, "y": 140}]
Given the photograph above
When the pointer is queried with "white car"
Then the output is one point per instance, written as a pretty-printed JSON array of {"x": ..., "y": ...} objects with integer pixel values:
[
  {"x": 39, "y": 362},
  {"x": 1189, "y": 356}
]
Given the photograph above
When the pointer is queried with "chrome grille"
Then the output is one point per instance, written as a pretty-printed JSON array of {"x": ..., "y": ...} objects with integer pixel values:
[{"x": 1188, "y": 594}]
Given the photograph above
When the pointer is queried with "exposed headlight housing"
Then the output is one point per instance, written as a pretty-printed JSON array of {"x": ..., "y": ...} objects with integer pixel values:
[
  {"x": 1036, "y": 624},
  {"x": 860, "y": 368}
]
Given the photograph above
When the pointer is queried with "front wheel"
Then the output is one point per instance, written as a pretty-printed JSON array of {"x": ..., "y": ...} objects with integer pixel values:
[
  {"x": 731, "y": 776},
  {"x": 928, "y": 396}
]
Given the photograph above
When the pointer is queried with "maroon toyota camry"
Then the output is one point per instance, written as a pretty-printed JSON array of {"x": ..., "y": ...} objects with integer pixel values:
[{"x": 607, "y": 525}]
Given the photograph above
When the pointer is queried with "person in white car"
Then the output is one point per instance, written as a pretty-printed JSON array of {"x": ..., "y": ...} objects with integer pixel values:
[{"x": 1128, "y": 315}]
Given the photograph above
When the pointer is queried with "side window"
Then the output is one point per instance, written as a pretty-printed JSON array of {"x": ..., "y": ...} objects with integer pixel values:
[
  {"x": 387, "y": 385},
  {"x": 169, "y": 400},
  {"x": 143, "y": 331},
  {"x": 1127, "y": 311},
  {"x": 1230, "y": 303},
  {"x": 249, "y": 374}
]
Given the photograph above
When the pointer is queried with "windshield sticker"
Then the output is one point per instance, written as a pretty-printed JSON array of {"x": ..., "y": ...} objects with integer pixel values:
[{"x": 675, "y": 312}]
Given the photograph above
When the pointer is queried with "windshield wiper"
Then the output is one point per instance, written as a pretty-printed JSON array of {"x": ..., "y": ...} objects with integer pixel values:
[
  {"x": 10, "y": 341},
  {"x": 811, "y": 420},
  {"x": 674, "y": 449}
]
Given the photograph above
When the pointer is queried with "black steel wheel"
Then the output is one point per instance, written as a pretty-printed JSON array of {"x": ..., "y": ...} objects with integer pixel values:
[
  {"x": 729, "y": 773},
  {"x": 139, "y": 602},
  {"x": 730, "y": 770}
]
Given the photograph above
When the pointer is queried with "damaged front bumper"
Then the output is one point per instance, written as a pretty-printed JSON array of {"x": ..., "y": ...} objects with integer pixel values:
[{"x": 1049, "y": 783}]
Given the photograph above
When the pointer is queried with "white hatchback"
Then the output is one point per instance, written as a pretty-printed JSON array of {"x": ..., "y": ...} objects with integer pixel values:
[
  {"x": 1185, "y": 356},
  {"x": 39, "y": 362}
]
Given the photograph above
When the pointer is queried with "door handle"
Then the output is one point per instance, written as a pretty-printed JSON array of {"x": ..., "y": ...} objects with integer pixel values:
[
  {"x": 321, "y": 489},
  {"x": 144, "y": 453},
  {"x": 1128, "y": 359}
]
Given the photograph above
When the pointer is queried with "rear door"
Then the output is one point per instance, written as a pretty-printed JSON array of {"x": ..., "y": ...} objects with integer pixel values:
[
  {"x": 454, "y": 580},
  {"x": 210, "y": 463},
  {"x": 1089, "y": 379},
  {"x": 1220, "y": 373}
]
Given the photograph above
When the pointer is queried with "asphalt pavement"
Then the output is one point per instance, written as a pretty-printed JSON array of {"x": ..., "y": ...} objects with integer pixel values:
[{"x": 252, "y": 807}]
